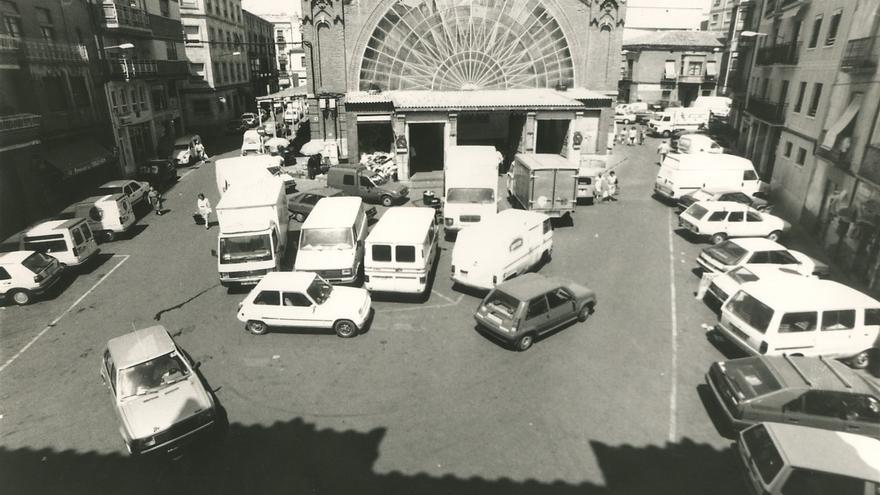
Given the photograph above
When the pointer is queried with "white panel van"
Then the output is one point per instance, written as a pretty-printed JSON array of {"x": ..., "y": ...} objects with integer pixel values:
[
  {"x": 501, "y": 247},
  {"x": 108, "y": 215},
  {"x": 70, "y": 241},
  {"x": 331, "y": 240},
  {"x": 807, "y": 317},
  {"x": 470, "y": 185},
  {"x": 683, "y": 173},
  {"x": 401, "y": 250}
]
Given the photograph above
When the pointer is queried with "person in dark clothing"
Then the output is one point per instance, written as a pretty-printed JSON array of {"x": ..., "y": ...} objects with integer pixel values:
[{"x": 314, "y": 165}]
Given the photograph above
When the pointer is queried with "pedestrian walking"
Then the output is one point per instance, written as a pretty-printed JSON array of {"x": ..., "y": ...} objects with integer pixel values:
[
  {"x": 203, "y": 205},
  {"x": 663, "y": 150},
  {"x": 314, "y": 165},
  {"x": 155, "y": 199},
  {"x": 200, "y": 151},
  {"x": 632, "y": 136},
  {"x": 641, "y": 135},
  {"x": 598, "y": 186},
  {"x": 611, "y": 181}
]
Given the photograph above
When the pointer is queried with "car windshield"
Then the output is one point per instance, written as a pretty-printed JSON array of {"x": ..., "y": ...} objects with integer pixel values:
[
  {"x": 697, "y": 211},
  {"x": 245, "y": 248},
  {"x": 742, "y": 275},
  {"x": 502, "y": 303},
  {"x": 478, "y": 195},
  {"x": 750, "y": 310},
  {"x": 727, "y": 252},
  {"x": 151, "y": 375},
  {"x": 322, "y": 239},
  {"x": 319, "y": 290},
  {"x": 36, "y": 262}
]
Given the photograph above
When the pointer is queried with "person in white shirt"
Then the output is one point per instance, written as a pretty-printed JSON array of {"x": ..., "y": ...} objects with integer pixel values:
[{"x": 203, "y": 205}]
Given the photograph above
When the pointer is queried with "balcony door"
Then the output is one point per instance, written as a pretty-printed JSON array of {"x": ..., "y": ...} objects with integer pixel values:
[{"x": 783, "y": 93}]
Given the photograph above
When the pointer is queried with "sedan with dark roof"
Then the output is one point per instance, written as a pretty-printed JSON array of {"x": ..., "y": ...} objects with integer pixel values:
[
  {"x": 521, "y": 309},
  {"x": 301, "y": 204}
]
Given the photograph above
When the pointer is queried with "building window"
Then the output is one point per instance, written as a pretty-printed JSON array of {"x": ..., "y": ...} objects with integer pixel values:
[
  {"x": 11, "y": 18},
  {"x": 765, "y": 87},
  {"x": 143, "y": 98},
  {"x": 714, "y": 18},
  {"x": 55, "y": 93},
  {"x": 783, "y": 92},
  {"x": 201, "y": 107},
  {"x": 814, "y": 101},
  {"x": 193, "y": 34},
  {"x": 44, "y": 19},
  {"x": 695, "y": 68},
  {"x": 302, "y": 61},
  {"x": 801, "y": 156},
  {"x": 833, "y": 25},
  {"x": 218, "y": 76},
  {"x": 171, "y": 50},
  {"x": 197, "y": 69},
  {"x": 800, "y": 98},
  {"x": 814, "y": 36},
  {"x": 665, "y": 94},
  {"x": 787, "y": 152},
  {"x": 164, "y": 8},
  {"x": 80, "y": 91}
]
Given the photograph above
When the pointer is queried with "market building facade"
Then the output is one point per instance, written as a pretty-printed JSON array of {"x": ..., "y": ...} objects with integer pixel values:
[{"x": 413, "y": 77}]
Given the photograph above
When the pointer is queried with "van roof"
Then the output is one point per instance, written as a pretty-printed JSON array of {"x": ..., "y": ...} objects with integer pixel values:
[
  {"x": 536, "y": 161},
  {"x": 139, "y": 346},
  {"x": 808, "y": 294},
  {"x": 819, "y": 373},
  {"x": 338, "y": 211},
  {"x": 720, "y": 161},
  {"x": 402, "y": 224},
  {"x": 286, "y": 280},
  {"x": 837, "y": 452},
  {"x": 53, "y": 225}
]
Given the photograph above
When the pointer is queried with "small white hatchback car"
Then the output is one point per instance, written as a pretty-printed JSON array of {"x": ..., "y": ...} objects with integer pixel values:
[
  {"x": 25, "y": 274},
  {"x": 723, "y": 219},
  {"x": 304, "y": 299},
  {"x": 728, "y": 255}
]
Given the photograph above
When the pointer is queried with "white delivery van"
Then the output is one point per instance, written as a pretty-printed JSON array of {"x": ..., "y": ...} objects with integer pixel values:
[
  {"x": 470, "y": 189},
  {"x": 718, "y": 106},
  {"x": 683, "y": 173},
  {"x": 252, "y": 143},
  {"x": 108, "y": 215},
  {"x": 401, "y": 250},
  {"x": 807, "y": 317},
  {"x": 70, "y": 241},
  {"x": 331, "y": 240},
  {"x": 501, "y": 247},
  {"x": 785, "y": 459},
  {"x": 245, "y": 169},
  {"x": 675, "y": 119}
]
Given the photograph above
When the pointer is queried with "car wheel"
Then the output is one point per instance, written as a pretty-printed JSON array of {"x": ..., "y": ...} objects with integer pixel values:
[
  {"x": 21, "y": 297},
  {"x": 774, "y": 236},
  {"x": 345, "y": 328},
  {"x": 546, "y": 257},
  {"x": 585, "y": 312},
  {"x": 719, "y": 238},
  {"x": 256, "y": 327},
  {"x": 109, "y": 236},
  {"x": 299, "y": 217},
  {"x": 665, "y": 134},
  {"x": 861, "y": 360},
  {"x": 626, "y": 121},
  {"x": 523, "y": 343},
  {"x": 387, "y": 201}
]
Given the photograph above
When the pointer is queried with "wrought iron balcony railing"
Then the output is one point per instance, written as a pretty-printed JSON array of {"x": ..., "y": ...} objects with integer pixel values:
[
  {"x": 146, "y": 69},
  {"x": 771, "y": 111},
  {"x": 50, "y": 51},
  {"x": 121, "y": 16},
  {"x": 19, "y": 121},
  {"x": 780, "y": 53},
  {"x": 861, "y": 54}
]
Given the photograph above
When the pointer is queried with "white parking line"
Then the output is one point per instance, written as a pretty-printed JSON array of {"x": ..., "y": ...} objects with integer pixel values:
[
  {"x": 673, "y": 406},
  {"x": 62, "y": 315},
  {"x": 422, "y": 308}
]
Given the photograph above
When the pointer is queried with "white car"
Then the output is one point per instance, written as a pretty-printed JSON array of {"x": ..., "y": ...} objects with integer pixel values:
[
  {"x": 727, "y": 284},
  {"x": 723, "y": 219},
  {"x": 25, "y": 274},
  {"x": 728, "y": 255},
  {"x": 136, "y": 190},
  {"x": 304, "y": 299}
]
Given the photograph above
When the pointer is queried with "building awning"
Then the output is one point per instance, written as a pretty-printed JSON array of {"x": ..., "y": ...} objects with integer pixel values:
[
  {"x": 74, "y": 157},
  {"x": 840, "y": 124}
]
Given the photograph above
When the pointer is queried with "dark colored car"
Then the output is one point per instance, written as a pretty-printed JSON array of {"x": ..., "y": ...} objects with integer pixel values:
[
  {"x": 158, "y": 172},
  {"x": 249, "y": 120},
  {"x": 519, "y": 310},
  {"x": 301, "y": 204},
  {"x": 810, "y": 391},
  {"x": 755, "y": 202}
]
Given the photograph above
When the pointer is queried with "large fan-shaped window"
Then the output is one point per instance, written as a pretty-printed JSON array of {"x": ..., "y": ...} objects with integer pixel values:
[{"x": 474, "y": 44}]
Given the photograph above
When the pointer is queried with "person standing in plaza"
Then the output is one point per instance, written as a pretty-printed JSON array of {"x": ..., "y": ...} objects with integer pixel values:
[
  {"x": 663, "y": 150},
  {"x": 203, "y": 205},
  {"x": 611, "y": 181},
  {"x": 155, "y": 199},
  {"x": 641, "y": 135},
  {"x": 598, "y": 188},
  {"x": 632, "y": 136}
]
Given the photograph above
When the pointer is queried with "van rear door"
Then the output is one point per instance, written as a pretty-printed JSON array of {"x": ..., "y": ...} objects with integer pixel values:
[{"x": 751, "y": 183}]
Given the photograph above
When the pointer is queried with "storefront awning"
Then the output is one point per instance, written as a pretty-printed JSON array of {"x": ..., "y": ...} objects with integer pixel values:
[
  {"x": 840, "y": 124},
  {"x": 74, "y": 157}
]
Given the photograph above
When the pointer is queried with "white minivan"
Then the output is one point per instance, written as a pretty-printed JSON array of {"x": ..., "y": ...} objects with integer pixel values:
[
  {"x": 331, "y": 240},
  {"x": 108, "y": 215},
  {"x": 401, "y": 251},
  {"x": 683, "y": 173},
  {"x": 804, "y": 316},
  {"x": 69, "y": 241},
  {"x": 501, "y": 247}
]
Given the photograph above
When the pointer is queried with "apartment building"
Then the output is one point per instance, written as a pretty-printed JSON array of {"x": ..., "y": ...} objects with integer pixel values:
[
  {"x": 290, "y": 53},
  {"x": 144, "y": 65},
  {"x": 220, "y": 89},
  {"x": 720, "y": 15},
  {"x": 260, "y": 54}
]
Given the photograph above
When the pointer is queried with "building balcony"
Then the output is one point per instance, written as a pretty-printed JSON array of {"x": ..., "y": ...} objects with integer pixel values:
[
  {"x": 49, "y": 51},
  {"x": 771, "y": 111},
  {"x": 861, "y": 55},
  {"x": 121, "y": 16},
  {"x": 667, "y": 81},
  {"x": 780, "y": 53},
  {"x": 691, "y": 79},
  {"x": 626, "y": 75},
  {"x": 165, "y": 28},
  {"x": 124, "y": 70},
  {"x": 839, "y": 158},
  {"x": 19, "y": 121}
]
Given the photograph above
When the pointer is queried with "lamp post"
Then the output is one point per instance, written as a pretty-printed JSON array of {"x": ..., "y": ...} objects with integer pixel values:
[{"x": 122, "y": 47}]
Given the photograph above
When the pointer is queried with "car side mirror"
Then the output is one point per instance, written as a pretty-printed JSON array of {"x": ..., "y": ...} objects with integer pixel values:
[
  {"x": 214, "y": 253},
  {"x": 197, "y": 365}
]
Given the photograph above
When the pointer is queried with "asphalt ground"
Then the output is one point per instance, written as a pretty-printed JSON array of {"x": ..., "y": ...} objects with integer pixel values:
[{"x": 419, "y": 403}]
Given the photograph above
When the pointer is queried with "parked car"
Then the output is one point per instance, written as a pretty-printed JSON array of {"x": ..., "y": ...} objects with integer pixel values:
[
  {"x": 158, "y": 172},
  {"x": 249, "y": 119},
  {"x": 135, "y": 190},
  {"x": 726, "y": 284},
  {"x": 720, "y": 220},
  {"x": 519, "y": 310},
  {"x": 301, "y": 204},
  {"x": 624, "y": 115},
  {"x": 358, "y": 180},
  {"x": 71, "y": 242},
  {"x": 160, "y": 400},
  {"x": 184, "y": 152},
  {"x": 723, "y": 194},
  {"x": 27, "y": 274},
  {"x": 730, "y": 254},
  {"x": 304, "y": 299},
  {"x": 809, "y": 391}
]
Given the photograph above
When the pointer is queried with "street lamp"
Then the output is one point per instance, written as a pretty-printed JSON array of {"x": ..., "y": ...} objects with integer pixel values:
[
  {"x": 122, "y": 48},
  {"x": 751, "y": 34}
]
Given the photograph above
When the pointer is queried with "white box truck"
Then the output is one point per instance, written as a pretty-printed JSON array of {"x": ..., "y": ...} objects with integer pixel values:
[
  {"x": 543, "y": 182},
  {"x": 253, "y": 221},
  {"x": 678, "y": 119},
  {"x": 470, "y": 189},
  {"x": 244, "y": 169}
]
